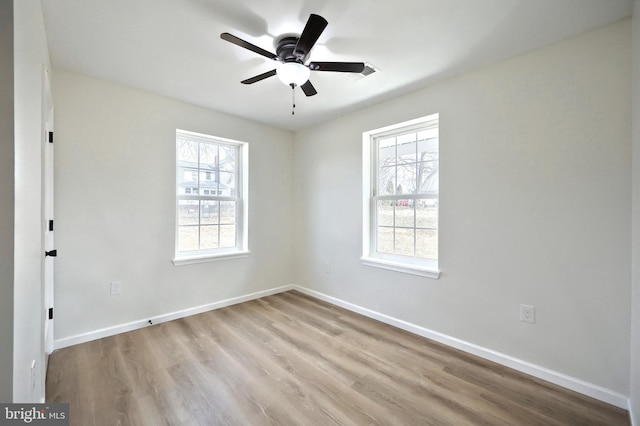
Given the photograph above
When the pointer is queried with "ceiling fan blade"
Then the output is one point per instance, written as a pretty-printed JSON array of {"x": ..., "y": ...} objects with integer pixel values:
[
  {"x": 252, "y": 47},
  {"x": 308, "y": 88},
  {"x": 337, "y": 66},
  {"x": 259, "y": 77},
  {"x": 312, "y": 30}
]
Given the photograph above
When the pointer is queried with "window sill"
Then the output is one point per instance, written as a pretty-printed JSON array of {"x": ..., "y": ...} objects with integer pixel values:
[
  {"x": 181, "y": 261},
  {"x": 401, "y": 267}
]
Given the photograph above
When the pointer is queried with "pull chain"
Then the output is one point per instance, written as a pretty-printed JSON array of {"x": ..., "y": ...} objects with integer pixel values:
[{"x": 293, "y": 99}]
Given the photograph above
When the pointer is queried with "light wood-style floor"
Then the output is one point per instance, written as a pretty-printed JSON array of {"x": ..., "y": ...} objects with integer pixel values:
[{"x": 289, "y": 359}]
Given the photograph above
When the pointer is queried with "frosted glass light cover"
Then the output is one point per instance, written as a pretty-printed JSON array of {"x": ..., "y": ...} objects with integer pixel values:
[{"x": 293, "y": 73}]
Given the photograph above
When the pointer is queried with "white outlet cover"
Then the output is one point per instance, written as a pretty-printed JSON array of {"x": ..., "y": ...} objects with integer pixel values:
[
  {"x": 116, "y": 288},
  {"x": 528, "y": 314}
]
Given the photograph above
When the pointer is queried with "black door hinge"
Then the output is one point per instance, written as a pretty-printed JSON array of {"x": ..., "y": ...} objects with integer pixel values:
[
  {"x": 50, "y": 137},
  {"x": 50, "y": 313},
  {"x": 51, "y": 225},
  {"x": 52, "y": 253}
]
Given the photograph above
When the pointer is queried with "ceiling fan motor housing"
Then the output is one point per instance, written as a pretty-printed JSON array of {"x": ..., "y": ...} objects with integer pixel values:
[{"x": 285, "y": 48}]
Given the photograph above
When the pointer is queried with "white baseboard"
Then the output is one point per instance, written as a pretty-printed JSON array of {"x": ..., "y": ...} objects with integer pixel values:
[
  {"x": 585, "y": 388},
  {"x": 134, "y": 325}
]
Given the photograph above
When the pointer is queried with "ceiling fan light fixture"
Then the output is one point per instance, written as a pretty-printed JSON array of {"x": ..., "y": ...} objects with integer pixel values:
[{"x": 293, "y": 73}]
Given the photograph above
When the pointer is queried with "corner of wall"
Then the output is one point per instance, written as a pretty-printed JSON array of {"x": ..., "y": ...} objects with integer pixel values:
[
  {"x": 7, "y": 196},
  {"x": 634, "y": 392}
]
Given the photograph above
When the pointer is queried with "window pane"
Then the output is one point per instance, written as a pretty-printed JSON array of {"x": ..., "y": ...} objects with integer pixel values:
[
  {"x": 384, "y": 212},
  {"x": 208, "y": 187},
  {"x": 187, "y": 238},
  {"x": 207, "y": 176},
  {"x": 187, "y": 151},
  {"x": 228, "y": 184},
  {"x": 387, "y": 180},
  {"x": 427, "y": 243},
  {"x": 427, "y": 214},
  {"x": 405, "y": 213},
  {"x": 208, "y": 237},
  {"x": 209, "y": 212},
  {"x": 228, "y": 158},
  {"x": 407, "y": 138},
  {"x": 407, "y": 151},
  {"x": 188, "y": 212},
  {"x": 386, "y": 152},
  {"x": 187, "y": 180},
  {"x": 428, "y": 156},
  {"x": 405, "y": 241},
  {"x": 428, "y": 134},
  {"x": 406, "y": 179},
  {"x": 188, "y": 174},
  {"x": 208, "y": 156},
  {"x": 227, "y": 236},
  {"x": 228, "y": 212},
  {"x": 384, "y": 241},
  {"x": 428, "y": 149},
  {"x": 428, "y": 177}
]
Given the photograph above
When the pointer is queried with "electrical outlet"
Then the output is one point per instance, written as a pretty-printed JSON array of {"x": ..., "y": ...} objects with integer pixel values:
[
  {"x": 116, "y": 288},
  {"x": 327, "y": 268},
  {"x": 528, "y": 314}
]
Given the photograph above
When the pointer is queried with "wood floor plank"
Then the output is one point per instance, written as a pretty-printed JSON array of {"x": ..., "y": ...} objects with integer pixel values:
[
  {"x": 289, "y": 359},
  {"x": 314, "y": 386}
]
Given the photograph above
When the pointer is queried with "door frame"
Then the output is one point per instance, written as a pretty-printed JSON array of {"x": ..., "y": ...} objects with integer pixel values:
[{"x": 47, "y": 215}]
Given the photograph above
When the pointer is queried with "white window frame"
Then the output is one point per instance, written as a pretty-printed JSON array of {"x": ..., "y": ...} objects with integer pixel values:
[
  {"x": 242, "y": 223},
  {"x": 370, "y": 257}
]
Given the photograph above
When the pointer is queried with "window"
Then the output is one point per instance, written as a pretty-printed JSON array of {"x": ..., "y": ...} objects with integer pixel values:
[
  {"x": 211, "y": 202},
  {"x": 401, "y": 180}
]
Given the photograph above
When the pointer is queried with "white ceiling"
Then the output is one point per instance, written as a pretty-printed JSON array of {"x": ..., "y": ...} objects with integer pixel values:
[{"x": 173, "y": 47}]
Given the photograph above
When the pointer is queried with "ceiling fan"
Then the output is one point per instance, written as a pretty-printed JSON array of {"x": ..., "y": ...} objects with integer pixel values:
[{"x": 292, "y": 53}]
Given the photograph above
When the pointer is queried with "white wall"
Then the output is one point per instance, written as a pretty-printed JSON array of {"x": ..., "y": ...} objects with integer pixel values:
[
  {"x": 534, "y": 209},
  {"x": 635, "y": 301},
  {"x": 31, "y": 55},
  {"x": 115, "y": 207},
  {"x": 7, "y": 197}
]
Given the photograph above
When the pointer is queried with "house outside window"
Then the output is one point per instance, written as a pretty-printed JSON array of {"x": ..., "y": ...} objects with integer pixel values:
[
  {"x": 211, "y": 198},
  {"x": 400, "y": 194}
]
